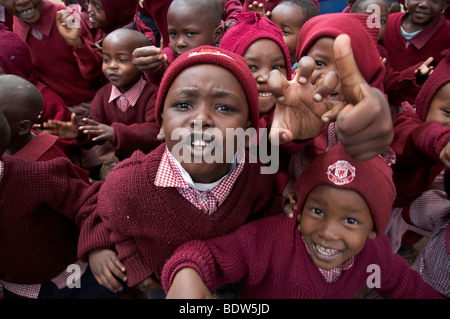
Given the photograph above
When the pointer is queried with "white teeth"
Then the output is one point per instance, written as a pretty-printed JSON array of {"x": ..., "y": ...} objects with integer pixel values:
[
  {"x": 265, "y": 94},
  {"x": 326, "y": 251},
  {"x": 27, "y": 13},
  {"x": 199, "y": 143}
]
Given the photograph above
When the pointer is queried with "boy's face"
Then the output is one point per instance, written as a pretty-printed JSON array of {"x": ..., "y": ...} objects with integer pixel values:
[
  {"x": 423, "y": 12},
  {"x": 189, "y": 29},
  {"x": 439, "y": 110},
  {"x": 262, "y": 57},
  {"x": 335, "y": 224},
  {"x": 117, "y": 63},
  {"x": 203, "y": 99},
  {"x": 28, "y": 11},
  {"x": 96, "y": 14},
  {"x": 290, "y": 19},
  {"x": 323, "y": 54}
]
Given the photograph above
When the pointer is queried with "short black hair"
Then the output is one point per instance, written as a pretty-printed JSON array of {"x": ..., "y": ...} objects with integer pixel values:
[
  {"x": 309, "y": 8},
  {"x": 356, "y": 7}
]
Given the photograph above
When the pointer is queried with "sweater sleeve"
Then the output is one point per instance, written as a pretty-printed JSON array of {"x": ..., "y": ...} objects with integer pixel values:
[{"x": 398, "y": 279}]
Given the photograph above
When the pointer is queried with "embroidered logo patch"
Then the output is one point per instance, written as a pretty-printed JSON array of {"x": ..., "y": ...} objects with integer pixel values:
[{"x": 341, "y": 173}]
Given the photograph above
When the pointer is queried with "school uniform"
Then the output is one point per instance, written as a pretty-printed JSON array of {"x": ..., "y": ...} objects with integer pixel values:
[
  {"x": 407, "y": 55},
  {"x": 72, "y": 72},
  {"x": 131, "y": 115},
  {"x": 157, "y": 210},
  {"x": 43, "y": 204}
]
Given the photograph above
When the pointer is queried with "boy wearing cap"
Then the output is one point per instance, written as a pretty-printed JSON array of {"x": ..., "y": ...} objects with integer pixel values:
[
  {"x": 150, "y": 204},
  {"x": 330, "y": 253}
]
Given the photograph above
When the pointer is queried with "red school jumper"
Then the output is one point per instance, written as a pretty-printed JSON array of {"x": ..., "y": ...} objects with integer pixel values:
[{"x": 72, "y": 72}]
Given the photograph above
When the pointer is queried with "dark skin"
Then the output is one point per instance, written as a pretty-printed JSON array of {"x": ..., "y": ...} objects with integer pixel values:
[{"x": 15, "y": 93}]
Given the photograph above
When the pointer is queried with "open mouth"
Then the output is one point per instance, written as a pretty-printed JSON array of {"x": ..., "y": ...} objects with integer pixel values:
[
  {"x": 325, "y": 253},
  {"x": 92, "y": 19},
  {"x": 27, "y": 14},
  {"x": 200, "y": 144},
  {"x": 264, "y": 94}
]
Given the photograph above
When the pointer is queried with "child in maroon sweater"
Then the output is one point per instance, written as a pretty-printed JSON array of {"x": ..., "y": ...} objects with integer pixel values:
[
  {"x": 190, "y": 24},
  {"x": 336, "y": 248},
  {"x": 150, "y": 204},
  {"x": 109, "y": 15},
  {"x": 412, "y": 38},
  {"x": 43, "y": 204},
  {"x": 123, "y": 111}
]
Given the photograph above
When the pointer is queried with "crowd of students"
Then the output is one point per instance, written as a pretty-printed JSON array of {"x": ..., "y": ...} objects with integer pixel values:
[{"x": 109, "y": 109}]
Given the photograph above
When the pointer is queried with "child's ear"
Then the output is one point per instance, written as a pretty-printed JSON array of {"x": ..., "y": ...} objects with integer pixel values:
[
  {"x": 24, "y": 127},
  {"x": 218, "y": 34},
  {"x": 372, "y": 234},
  {"x": 162, "y": 134}
]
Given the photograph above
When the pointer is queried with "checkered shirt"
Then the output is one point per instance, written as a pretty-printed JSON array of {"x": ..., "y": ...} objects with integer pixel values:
[
  {"x": 169, "y": 175},
  {"x": 333, "y": 275},
  {"x": 130, "y": 97},
  {"x": 32, "y": 291}
]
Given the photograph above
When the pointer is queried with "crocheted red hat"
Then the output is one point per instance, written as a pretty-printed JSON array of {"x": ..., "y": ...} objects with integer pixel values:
[
  {"x": 439, "y": 77},
  {"x": 217, "y": 56},
  {"x": 371, "y": 179},
  {"x": 250, "y": 27},
  {"x": 363, "y": 40}
]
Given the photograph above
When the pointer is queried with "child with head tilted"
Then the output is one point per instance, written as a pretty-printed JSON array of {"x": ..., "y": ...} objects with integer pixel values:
[
  {"x": 43, "y": 206},
  {"x": 414, "y": 41},
  {"x": 198, "y": 184},
  {"x": 326, "y": 254},
  {"x": 190, "y": 24},
  {"x": 123, "y": 111},
  {"x": 109, "y": 15}
]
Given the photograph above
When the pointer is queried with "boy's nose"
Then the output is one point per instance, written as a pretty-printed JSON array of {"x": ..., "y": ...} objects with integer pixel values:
[
  {"x": 201, "y": 120},
  {"x": 181, "y": 43},
  {"x": 329, "y": 231}
]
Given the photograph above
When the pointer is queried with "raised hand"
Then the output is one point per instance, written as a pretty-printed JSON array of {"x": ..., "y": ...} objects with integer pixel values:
[
  {"x": 102, "y": 132},
  {"x": 149, "y": 58},
  {"x": 68, "y": 24},
  {"x": 364, "y": 126},
  {"x": 301, "y": 104},
  {"x": 65, "y": 130}
]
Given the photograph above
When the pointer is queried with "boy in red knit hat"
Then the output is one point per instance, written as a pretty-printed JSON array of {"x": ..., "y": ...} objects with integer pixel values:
[
  {"x": 43, "y": 205},
  {"x": 123, "y": 111},
  {"x": 190, "y": 24},
  {"x": 150, "y": 204},
  {"x": 336, "y": 248}
]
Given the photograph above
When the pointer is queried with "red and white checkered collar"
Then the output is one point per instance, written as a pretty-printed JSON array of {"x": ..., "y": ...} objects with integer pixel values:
[
  {"x": 132, "y": 95},
  {"x": 169, "y": 175}
]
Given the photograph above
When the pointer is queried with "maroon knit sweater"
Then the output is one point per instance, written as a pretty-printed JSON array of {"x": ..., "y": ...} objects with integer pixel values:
[
  {"x": 417, "y": 146},
  {"x": 146, "y": 223},
  {"x": 134, "y": 129},
  {"x": 272, "y": 258},
  {"x": 41, "y": 205}
]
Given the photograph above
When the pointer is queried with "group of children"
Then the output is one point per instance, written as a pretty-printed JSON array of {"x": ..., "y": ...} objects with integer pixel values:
[{"x": 105, "y": 135}]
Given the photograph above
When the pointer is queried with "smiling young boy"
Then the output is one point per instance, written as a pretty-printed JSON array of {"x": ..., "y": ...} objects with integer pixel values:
[
  {"x": 327, "y": 254},
  {"x": 150, "y": 204},
  {"x": 123, "y": 110}
]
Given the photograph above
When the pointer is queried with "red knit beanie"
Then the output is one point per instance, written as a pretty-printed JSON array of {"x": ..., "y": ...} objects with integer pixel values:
[
  {"x": 118, "y": 13},
  {"x": 371, "y": 179},
  {"x": 363, "y": 40},
  {"x": 217, "y": 56},
  {"x": 15, "y": 56},
  {"x": 437, "y": 79},
  {"x": 251, "y": 27}
]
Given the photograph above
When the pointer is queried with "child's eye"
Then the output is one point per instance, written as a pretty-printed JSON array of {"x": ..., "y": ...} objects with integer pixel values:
[
  {"x": 447, "y": 112},
  {"x": 278, "y": 67},
  {"x": 286, "y": 32},
  {"x": 351, "y": 221},
  {"x": 253, "y": 68},
  {"x": 172, "y": 34},
  {"x": 191, "y": 34},
  {"x": 317, "y": 211},
  {"x": 382, "y": 21},
  {"x": 224, "y": 108},
  {"x": 98, "y": 8},
  {"x": 320, "y": 64},
  {"x": 182, "y": 105}
]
